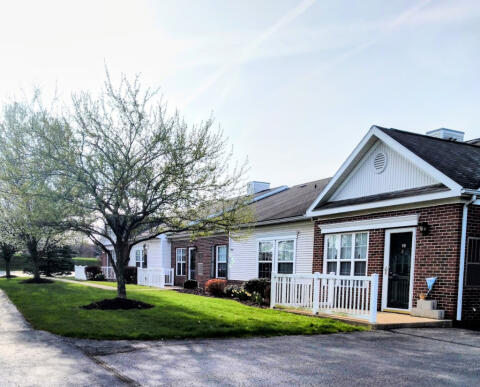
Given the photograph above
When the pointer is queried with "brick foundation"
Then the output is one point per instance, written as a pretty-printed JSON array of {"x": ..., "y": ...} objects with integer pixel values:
[{"x": 436, "y": 254}]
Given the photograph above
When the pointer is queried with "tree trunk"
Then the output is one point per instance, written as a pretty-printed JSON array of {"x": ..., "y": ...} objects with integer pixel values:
[
  {"x": 36, "y": 269},
  {"x": 32, "y": 249},
  {"x": 123, "y": 255},
  {"x": 7, "y": 267}
]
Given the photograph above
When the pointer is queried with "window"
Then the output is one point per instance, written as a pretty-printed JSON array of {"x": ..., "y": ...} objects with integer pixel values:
[
  {"x": 473, "y": 262},
  {"x": 139, "y": 258},
  {"x": 346, "y": 254},
  {"x": 265, "y": 259},
  {"x": 181, "y": 261},
  {"x": 221, "y": 253},
  {"x": 276, "y": 255},
  {"x": 285, "y": 256}
]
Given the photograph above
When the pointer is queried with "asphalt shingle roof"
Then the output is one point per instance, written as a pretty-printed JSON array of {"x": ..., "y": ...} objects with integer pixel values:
[
  {"x": 383, "y": 196},
  {"x": 460, "y": 161},
  {"x": 289, "y": 203}
]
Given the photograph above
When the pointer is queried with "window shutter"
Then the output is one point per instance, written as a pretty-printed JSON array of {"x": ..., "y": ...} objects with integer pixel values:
[{"x": 212, "y": 263}]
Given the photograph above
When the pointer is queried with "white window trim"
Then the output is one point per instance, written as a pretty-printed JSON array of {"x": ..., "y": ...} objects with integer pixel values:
[
  {"x": 142, "y": 258},
  {"x": 370, "y": 224},
  {"x": 275, "y": 241},
  {"x": 177, "y": 261},
  {"x": 352, "y": 260},
  {"x": 216, "y": 260}
]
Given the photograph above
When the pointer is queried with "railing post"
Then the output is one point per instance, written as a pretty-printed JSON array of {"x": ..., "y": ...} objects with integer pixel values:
[
  {"x": 273, "y": 290},
  {"x": 316, "y": 293},
  {"x": 373, "y": 298}
]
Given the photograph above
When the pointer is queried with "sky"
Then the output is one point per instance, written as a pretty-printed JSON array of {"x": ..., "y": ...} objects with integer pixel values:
[{"x": 293, "y": 84}]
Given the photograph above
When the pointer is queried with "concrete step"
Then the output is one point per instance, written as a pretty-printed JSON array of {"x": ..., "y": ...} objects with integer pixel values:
[
  {"x": 427, "y": 304},
  {"x": 428, "y": 313}
]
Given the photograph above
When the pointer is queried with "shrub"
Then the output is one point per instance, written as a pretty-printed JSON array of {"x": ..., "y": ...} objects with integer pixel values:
[
  {"x": 257, "y": 298},
  {"x": 230, "y": 290},
  {"x": 216, "y": 287},
  {"x": 258, "y": 285},
  {"x": 91, "y": 272},
  {"x": 99, "y": 277},
  {"x": 241, "y": 294},
  {"x": 190, "y": 284},
  {"x": 130, "y": 275}
]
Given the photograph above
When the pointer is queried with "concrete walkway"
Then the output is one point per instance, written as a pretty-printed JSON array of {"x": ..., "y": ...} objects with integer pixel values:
[
  {"x": 99, "y": 286},
  {"x": 36, "y": 358}
]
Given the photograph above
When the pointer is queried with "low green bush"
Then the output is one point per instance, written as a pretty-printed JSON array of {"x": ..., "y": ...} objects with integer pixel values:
[
  {"x": 190, "y": 284},
  {"x": 130, "y": 275},
  {"x": 258, "y": 285}
]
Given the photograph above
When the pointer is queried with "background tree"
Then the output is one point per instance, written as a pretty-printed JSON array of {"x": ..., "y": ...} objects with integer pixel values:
[
  {"x": 28, "y": 211},
  {"x": 7, "y": 252},
  {"x": 127, "y": 171}
]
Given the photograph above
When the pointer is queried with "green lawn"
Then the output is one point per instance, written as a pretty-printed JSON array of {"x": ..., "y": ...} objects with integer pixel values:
[
  {"x": 56, "y": 308},
  {"x": 86, "y": 261}
]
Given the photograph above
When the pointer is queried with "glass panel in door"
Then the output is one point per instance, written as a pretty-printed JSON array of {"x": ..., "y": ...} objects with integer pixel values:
[
  {"x": 399, "y": 270},
  {"x": 192, "y": 264}
]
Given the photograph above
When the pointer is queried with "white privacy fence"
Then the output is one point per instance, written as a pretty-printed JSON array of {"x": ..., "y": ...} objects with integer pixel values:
[
  {"x": 154, "y": 277},
  {"x": 354, "y": 296},
  {"x": 80, "y": 273}
]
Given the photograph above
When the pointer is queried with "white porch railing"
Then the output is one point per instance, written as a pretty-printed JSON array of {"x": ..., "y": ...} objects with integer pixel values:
[
  {"x": 352, "y": 296},
  {"x": 169, "y": 277},
  {"x": 155, "y": 277},
  {"x": 80, "y": 273},
  {"x": 108, "y": 272}
]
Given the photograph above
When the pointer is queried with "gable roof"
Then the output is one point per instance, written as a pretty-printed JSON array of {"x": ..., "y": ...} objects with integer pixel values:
[
  {"x": 450, "y": 163},
  {"x": 460, "y": 161},
  {"x": 289, "y": 203}
]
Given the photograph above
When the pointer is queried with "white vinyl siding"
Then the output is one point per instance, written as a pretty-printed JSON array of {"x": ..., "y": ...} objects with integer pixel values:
[
  {"x": 243, "y": 248},
  {"x": 399, "y": 174},
  {"x": 158, "y": 253}
]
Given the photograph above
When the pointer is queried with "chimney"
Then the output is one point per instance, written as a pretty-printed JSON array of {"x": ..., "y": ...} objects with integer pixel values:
[
  {"x": 447, "y": 134},
  {"x": 254, "y": 187}
]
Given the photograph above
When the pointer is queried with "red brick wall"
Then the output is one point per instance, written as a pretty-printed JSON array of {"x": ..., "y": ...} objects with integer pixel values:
[
  {"x": 436, "y": 255},
  {"x": 204, "y": 256},
  {"x": 471, "y": 294}
]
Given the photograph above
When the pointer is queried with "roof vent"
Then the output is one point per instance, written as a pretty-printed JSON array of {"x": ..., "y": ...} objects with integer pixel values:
[
  {"x": 447, "y": 134},
  {"x": 254, "y": 187},
  {"x": 380, "y": 162}
]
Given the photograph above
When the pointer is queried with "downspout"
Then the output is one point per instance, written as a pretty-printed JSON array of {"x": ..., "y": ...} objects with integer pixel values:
[{"x": 463, "y": 242}]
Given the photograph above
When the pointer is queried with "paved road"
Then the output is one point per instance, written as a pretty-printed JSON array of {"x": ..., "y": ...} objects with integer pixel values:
[
  {"x": 35, "y": 358},
  {"x": 430, "y": 357}
]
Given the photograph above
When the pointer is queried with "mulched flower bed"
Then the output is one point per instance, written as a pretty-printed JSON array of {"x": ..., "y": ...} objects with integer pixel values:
[
  {"x": 37, "y": 281},
  {"x": 117, "y": 303},
  {"x": 197, "y": 292},
  {"x": 202, "y": 292}
]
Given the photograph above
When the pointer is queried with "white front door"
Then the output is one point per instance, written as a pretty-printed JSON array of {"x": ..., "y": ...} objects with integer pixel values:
[{"x": 398, "y": 269}]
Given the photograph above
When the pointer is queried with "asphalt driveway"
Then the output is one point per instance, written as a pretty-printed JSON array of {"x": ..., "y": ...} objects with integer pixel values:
[{"x": 430, "y": 357}]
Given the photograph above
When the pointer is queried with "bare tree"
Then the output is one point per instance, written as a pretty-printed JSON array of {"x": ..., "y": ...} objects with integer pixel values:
[{"x": 127, "y": 171}]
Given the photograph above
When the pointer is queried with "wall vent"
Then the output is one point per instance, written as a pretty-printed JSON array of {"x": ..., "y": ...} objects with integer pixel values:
[{"x": 380, "y": 162}]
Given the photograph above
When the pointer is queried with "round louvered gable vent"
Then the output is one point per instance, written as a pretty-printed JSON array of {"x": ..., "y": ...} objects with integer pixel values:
[{"x": 380, "y": 162}]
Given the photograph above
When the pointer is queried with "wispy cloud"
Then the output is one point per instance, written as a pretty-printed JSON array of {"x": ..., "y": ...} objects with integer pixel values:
[{"x": 247, "y": 51}]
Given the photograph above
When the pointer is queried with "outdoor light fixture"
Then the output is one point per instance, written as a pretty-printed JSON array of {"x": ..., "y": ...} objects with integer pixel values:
[{"x": 424, "y": 228}]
